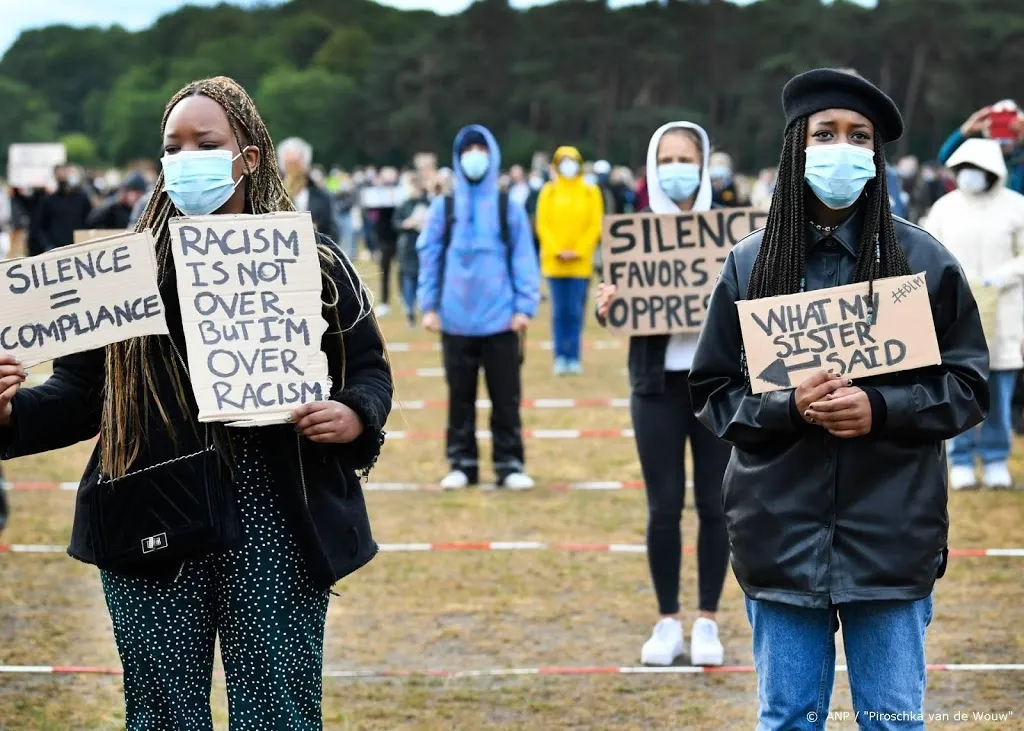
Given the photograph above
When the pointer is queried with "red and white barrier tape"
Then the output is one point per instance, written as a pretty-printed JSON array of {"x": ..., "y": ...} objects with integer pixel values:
[
  {"x": 593, "y": 486},
  {"x": 534, "y": 546},
  {"x": 531, "y": 344},
  {"x": 527, "y": 433},
  {"x": 512, "y": 672},
  {"x": 540, "y": 403}
]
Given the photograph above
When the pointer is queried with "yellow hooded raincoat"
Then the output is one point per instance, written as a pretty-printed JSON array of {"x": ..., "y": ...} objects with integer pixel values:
[{"x": 569, "y": 213}]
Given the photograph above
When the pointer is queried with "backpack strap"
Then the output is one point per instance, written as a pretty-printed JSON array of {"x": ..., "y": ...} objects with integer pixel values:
[
  {"x": 446, "y": 241},
  {"x": 506, "y": 234}
]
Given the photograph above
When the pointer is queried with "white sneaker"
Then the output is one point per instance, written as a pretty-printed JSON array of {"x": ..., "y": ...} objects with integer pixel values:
[
  {"x": 997, "y": 475},
  {"x": 561, "y": 367},
  {"x": 574, "y": 368},
  {"x": 518, "y": 481},
  {"x": 455, "y": 480},
  {"x": 705, "y": 647},
  {"x": 665, "y": 644},
  {"x": 382, "y": 310},
  {"x": 962, "y": 477}
]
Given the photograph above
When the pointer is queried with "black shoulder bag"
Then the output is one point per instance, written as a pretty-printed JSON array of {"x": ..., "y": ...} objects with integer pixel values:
[{"x": 150, "y": 521}]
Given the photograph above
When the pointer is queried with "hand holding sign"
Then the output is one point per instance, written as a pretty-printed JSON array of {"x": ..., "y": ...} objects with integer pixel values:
[
  {"x": 12, "y": 375},
  {"x": 845, "y": 413},
  {"x": 821, "y": 385},
  {"x": 327, "y": 422}
]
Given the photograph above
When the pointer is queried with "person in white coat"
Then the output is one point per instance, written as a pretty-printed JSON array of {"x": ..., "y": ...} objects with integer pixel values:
[
  {"x": 982, "y": 225},
  {"x": 678, "y": 181}
]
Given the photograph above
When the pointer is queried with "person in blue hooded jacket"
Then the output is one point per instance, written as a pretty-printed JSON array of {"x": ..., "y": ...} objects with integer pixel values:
[{"x": 479, "y": 286}]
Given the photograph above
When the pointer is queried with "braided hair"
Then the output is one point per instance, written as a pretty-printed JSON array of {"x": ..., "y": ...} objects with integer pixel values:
[
  {"x": 131, "y": 365},
  {"x": 779, "y": 267}
]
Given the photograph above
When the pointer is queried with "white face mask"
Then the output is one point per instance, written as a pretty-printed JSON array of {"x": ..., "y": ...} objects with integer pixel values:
[
  {"x": 972, "y": 180},
  {"x": 568, "y": 168}
]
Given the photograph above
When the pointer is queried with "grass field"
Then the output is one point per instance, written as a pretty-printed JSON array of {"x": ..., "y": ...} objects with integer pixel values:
[{"x": 481, "y": 610}]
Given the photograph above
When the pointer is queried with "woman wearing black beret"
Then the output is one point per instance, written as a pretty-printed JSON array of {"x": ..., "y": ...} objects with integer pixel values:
[{"x": 835, "y": 495}]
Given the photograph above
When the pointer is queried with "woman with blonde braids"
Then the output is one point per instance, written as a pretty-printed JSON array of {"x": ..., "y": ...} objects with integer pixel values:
[{"x": 292, "y": 515}]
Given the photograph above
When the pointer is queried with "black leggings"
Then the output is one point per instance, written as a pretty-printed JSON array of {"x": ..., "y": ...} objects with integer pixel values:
[
  {"x": 387, "y": 255},
  {"x": 662, "y": 423}
]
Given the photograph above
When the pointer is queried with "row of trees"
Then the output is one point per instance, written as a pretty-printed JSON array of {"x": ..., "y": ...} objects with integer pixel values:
[{"x": 363, "y": 82}]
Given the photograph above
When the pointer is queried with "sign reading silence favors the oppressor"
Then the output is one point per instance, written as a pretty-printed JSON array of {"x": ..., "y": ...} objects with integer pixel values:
[
  {"x": 79, "y": 298},
  {"x": 250, "y": 294},
  {"x": 789, "y": 338},
  {"x": 664, "y": 267}
]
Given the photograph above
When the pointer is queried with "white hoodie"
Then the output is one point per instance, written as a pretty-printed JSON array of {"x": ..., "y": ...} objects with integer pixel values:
[
  {"x": 985, "y": 232},
  {"x": 681, "y": 346}
]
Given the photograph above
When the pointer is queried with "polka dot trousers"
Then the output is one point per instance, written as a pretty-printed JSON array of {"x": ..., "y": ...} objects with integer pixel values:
[{"x": 258, "y": 599}]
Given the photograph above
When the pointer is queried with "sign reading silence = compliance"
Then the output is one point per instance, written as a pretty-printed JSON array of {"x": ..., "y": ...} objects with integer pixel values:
[
  {"x": 664, "y": 267},
  {"x": 789, "y": 338},
  {"x": 250, "y": 293},
  {"x": 78, "y": 298}
]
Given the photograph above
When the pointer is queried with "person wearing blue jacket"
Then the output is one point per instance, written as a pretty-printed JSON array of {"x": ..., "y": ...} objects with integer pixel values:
[
  {"x": 479, "y": 286},
  {"x": 977, "y": 126}
]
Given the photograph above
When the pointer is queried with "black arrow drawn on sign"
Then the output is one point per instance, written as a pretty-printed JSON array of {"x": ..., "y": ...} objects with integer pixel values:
[{"x": 778, "y": 372}]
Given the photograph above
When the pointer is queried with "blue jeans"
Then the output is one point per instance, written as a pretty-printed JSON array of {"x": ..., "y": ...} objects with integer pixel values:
[
  {"x": 408, "y": 283},
  {"x": 568, "y": 305},
  {"x": 795, "y": 658},
  {"x": 991, "y": 441},
  {"x": 346, "y": 234}
]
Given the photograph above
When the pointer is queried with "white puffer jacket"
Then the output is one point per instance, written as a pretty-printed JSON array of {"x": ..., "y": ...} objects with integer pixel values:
[{"x": 985, "y": 232}]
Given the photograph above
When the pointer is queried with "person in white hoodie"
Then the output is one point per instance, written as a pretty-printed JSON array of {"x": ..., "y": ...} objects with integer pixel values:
[
  {"x": 663, "y": 421},
  {"x": 982, "y": 225}
]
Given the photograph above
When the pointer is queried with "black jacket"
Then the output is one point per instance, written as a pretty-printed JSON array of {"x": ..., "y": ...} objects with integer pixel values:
[
  {"x": 322, "y": 497},
  {"x": 813, "y": 519},
  {"x": 321, "y": 210},
  {"x": 112, "y": 214},
  {"x": 60, "y": 215},
  {"x": 408, "y": 259}
]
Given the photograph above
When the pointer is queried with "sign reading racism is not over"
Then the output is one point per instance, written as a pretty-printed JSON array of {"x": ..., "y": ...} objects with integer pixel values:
[
  {"x": 787, "y": 339},
  {"x": 78, "y": 298},
  {"x": 250, "y": 293},
  {"x": 664, "y": 267}
]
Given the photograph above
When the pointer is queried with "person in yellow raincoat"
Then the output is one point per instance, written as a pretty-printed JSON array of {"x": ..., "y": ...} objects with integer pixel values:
[{"x": 569, "y": 213}]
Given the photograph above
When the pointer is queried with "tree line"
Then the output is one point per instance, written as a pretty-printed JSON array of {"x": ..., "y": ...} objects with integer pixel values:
[{"x": 367, "y": 83}]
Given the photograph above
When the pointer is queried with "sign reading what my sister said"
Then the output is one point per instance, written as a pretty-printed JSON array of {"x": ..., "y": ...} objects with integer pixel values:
[
  {"x": 664, "y": 267},
  {"x": 250, "y": 293},
  {"x": 788, "y": 339},
  {"x": 78, "y": 298}
]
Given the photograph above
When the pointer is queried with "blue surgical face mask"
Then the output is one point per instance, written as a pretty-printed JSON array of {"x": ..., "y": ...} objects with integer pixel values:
[
  {"x": 679, "y": 180},
  {"x": 199, "y": 182},
  {"x": 568, "y": 168},
  {"x": 838, "y": 173},
  {"x": 475, "y": 164},
  {"x": 720, "y": 173}
]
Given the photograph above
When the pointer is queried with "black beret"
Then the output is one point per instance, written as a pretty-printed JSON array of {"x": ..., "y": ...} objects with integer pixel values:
[{"x": 814, "y": 91}]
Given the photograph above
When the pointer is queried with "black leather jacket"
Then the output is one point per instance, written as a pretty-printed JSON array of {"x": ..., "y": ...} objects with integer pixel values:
[
  {"x": 815, "y": 520},
  {"x": 322, "y": 499}
]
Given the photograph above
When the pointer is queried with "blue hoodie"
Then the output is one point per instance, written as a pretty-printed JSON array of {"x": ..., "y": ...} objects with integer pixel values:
[{"x": 480, "y": 295}]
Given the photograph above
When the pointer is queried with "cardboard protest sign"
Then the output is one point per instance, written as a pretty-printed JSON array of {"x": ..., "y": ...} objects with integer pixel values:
[
  {"x": 78, "y": 298},
  {"x": 665, "y": 266},
  {"x": 92, "y": 234},
  {"x": 250, "y": 294},
  {"x": 30, "y": 165},
  {"x": 789, "y": 338},
  {"x": 382, "y": 196}
]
